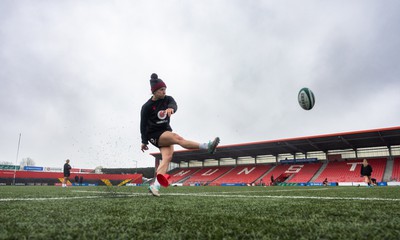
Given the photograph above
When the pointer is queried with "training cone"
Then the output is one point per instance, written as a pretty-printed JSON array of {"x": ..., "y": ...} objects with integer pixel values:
[{"x": 163, "y": 179}]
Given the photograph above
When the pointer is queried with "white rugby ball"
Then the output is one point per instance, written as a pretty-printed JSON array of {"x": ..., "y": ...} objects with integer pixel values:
[{"x": 306, "y": 98}]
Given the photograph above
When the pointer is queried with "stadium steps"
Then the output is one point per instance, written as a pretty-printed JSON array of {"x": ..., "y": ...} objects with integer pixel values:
[
  {"x": 319, "y": 171},
  {"x": 187, "y": 177},
  {"x": 262, "y": 176},
  {"x": 184, "y": 179},
  {"x": 223, "y": 175},
  {"x": 388, "y": 170},
  {"x": 289, "y": 178}
]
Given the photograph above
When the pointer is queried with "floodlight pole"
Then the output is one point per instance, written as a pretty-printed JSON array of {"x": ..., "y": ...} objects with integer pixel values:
[
  {"x": 135, "y": 165},
  {"x": 16, "y": 160}
]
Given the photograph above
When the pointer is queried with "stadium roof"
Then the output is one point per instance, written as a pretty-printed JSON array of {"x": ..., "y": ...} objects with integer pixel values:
[{"x": 337, "y": 141}]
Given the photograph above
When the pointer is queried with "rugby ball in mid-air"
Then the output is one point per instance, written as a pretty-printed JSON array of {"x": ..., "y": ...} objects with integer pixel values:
[{"x": 306, "y": 98}]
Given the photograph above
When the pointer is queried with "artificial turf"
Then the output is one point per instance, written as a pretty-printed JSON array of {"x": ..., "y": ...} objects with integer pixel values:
[{"x": 48, "y": 212}]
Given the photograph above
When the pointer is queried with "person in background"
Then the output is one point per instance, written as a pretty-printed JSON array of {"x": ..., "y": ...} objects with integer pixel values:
[
  {"x": 155, "y": 128},
  {"x": 325, "y": 182},
  {"x": 373, "y": 181},
  {"x": 76, "y": 179},
  {"x": 67, "y": 173},
  {"x": 272, "y": 180},
  {"x": 366, "y": 171}
]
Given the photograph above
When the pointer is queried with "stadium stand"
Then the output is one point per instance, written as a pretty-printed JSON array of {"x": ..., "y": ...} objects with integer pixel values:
[
  {"x": 243, "y": 174},
  {"x": 349, "y": 171},
  {"x": 305, "y": 173},
  {"x": 277, "y": 171},
  {"x": 178, "y": 174},
  {"x": 335, "y": 171},
  {"x": 396, "y": 170},
  {"x": 207, "y": 175},
  {"x": 54, "y": 178},
  {"x": 332, "y": 148},
  {"x": 293, "y": 173}
]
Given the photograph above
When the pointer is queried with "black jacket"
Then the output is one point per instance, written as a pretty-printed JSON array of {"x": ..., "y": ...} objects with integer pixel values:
[
  {"x": 152, "y": 118},
  {"x": 366, "y": 171},
  {"x": 67, "y": 168}
]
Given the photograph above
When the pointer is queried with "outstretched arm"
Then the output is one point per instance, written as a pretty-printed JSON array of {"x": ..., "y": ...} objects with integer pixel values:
[
  {"x": 172, "y": 104},
  {"x": 144, "y": 147},
  {"x": 169, "y": 111},
  {"x": 143, "y": 129},
  {"x": 143, "y": 125}
]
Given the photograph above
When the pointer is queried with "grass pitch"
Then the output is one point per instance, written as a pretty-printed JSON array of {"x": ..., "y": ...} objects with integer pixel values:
[{"x": 40, "y": 212}]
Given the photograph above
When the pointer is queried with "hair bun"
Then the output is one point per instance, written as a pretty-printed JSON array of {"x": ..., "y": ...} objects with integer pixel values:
[{"x": 154, "y": 76}]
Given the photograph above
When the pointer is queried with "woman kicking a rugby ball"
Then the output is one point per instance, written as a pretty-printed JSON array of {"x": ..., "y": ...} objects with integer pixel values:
[{"x": 154, "y": 127}]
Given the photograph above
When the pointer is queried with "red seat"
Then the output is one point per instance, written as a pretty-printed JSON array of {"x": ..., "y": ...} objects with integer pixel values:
[{"x": 396, "y": 170}]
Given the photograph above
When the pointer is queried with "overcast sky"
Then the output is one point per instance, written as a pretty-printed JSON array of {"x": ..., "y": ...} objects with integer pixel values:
[{"x": 74, "y": 74}]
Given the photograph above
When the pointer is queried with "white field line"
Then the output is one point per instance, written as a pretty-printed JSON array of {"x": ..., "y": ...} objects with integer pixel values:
[
  {"x": 199, "y": 195},
  {"x": 68, "y": 198},
  {"x": 130, "y": 193},
  {"x": 285, "y": 197},
  {"x": 45, "y": 199},
  {"x": 265, "y": 191},
  {"x": 268, "y": 191},
  {"x": 106, "y": 192}
]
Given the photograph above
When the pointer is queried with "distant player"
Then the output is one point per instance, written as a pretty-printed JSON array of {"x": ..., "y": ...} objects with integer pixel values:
[
  {"x": 272, "y": 180},
  {"x": 325, "y": 182},
  {"x": 366, "y": 171},
  {"x": 154, "y": 127},
  {"x": 67, "y": 173}
]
